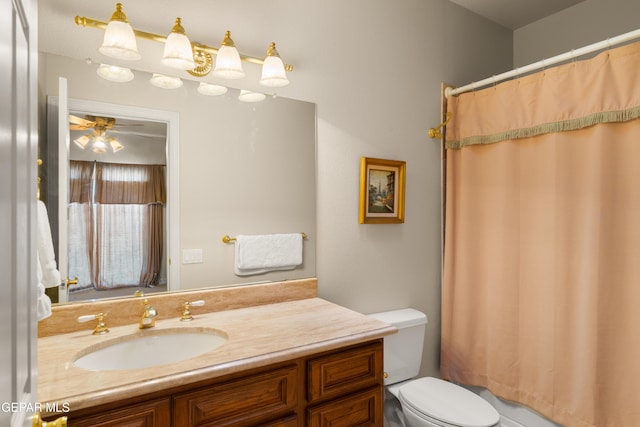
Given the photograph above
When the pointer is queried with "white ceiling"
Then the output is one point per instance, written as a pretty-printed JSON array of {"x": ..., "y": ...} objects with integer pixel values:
[{"x": 514, "y": 14}]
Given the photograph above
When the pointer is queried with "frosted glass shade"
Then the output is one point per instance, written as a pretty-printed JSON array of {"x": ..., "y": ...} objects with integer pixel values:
[
  {"x": 273, "y": 72},
  {"x": 228, "y": 65},
  {"x": 99, "y": 145},
  {"x": 165, "y": 82},
  {"x": 115, "y": 145},
  {"x": 211, "y": 89},
  {"x": 178, "y": 52},
  {"x": 114, "y": 73},
  {"x": 119, "y": 41},
  {"x": 248, "y": 96},
  {"x": 82, "y": 141}
]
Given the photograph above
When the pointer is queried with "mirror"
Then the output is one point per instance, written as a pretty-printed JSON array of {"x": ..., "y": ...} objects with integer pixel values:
[{"x": 242, "y": 168}]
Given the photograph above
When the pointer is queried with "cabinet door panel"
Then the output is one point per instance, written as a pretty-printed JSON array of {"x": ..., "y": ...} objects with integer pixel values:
[
  {"x": 156, "y": 413},
  {"x": 359, "y": 409},
  {"x": 339, "y": 373},
  {"x": 247, "y": 401}
]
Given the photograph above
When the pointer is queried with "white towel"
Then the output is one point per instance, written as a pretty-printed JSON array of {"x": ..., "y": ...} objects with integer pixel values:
[
  {"x": 43, "y": 304},
  {"x": 50, "y": 273},
  {"x": 263, "y": 253}
]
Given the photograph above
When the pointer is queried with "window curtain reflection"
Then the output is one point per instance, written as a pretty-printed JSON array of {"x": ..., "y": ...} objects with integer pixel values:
[
  {"x": 125, "y": 205},
  {"x": 540, "y": 283}
]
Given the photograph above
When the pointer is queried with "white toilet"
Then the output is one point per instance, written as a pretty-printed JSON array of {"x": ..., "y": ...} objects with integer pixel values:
[{"x": 426, "y": 402}]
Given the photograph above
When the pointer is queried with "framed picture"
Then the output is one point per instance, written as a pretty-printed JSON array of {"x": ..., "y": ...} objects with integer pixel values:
[{"x": 381, "y": 191}]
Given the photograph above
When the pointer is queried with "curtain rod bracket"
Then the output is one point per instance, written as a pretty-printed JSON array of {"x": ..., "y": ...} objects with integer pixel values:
[{"x": 435, "y": 132}]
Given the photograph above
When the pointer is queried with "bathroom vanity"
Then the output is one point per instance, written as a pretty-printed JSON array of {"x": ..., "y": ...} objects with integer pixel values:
[{"x": 299, "y": 362}]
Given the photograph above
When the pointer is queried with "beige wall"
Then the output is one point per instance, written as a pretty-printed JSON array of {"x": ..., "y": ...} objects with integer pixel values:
[{"x": 374, "y": 70}]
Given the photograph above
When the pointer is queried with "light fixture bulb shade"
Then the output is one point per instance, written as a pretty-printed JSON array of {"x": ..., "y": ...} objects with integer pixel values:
[
  {"x": 165, "y": 82},
  {"x": 99, "y": 145},
  {"x": 273, "y": 72},
  {"x": 120, "y": 41},
  {"x": 211, "y": 89},
  {"x": 228, "y": 63},
  {"x": 115, "y": 145},
  {"x": 178, "y": 52},
  {"x": 114, "y": 73},
  {"x": 248, "y": 96},
  {"x": 82, "y": 141}
]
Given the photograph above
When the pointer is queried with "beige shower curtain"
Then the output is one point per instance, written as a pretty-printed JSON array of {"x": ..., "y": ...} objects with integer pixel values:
[{"x": 541, "y": 293}]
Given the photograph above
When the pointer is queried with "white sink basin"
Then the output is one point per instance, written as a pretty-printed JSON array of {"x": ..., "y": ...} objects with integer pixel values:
[{"x": 150, "y": 348}]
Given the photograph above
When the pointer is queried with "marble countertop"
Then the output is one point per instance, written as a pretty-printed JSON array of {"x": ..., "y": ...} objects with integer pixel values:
[{"x": 257, "y": 336}]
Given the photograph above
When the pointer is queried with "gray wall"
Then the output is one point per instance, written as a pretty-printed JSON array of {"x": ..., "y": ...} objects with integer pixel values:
[
  {"x": 375, "y": 74},
  {"x": 585, "y": 23}
]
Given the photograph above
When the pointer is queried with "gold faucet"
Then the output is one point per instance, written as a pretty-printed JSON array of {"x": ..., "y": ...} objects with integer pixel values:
[
  {"x": 148, "y": 316},
  {"x": 186, "y": 313},
  {"x": 101, "y": 327}
]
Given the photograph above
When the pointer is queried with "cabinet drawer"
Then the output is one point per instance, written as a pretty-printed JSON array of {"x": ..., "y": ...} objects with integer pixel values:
[
  {"x": 156, "y": 413},
  {"x": 343, "y": 372},
  {"x": 246, "y": 401},
  {"x": 359, "y": 409}
]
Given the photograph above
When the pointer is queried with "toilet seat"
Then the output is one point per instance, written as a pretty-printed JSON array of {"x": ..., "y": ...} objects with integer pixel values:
[{"x": 447, "y": 404}]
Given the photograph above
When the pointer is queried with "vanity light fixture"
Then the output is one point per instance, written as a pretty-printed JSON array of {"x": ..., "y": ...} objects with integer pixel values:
[
  {"x": 228, "y": 64},
  {"x": 248, "y": 96},
  {"x": 165, "y": 82},
  {"x": 119, "y": 38},
  {"x": 120, "y": 42},
  {"x": 177, "y": 50},
  {"x": 273, "y": 70},
  {"x": 114, "y": 73}
]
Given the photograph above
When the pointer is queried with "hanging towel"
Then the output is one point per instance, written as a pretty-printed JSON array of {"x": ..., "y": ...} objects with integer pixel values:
[
  {"x": 50, "y": 273},
  {"x": 259, "y": 254},
  {"x": 43, "y": 304}
]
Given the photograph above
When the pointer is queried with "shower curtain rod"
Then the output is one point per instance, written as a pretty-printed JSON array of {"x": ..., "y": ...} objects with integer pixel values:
[{"x": 545, "y": 63}]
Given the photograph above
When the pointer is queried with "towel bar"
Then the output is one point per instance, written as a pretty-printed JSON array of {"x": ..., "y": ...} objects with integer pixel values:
[{"x": 227, "y": 239}]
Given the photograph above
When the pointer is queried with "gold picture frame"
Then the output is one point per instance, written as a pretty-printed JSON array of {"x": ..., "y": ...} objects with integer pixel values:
[{"x": 382, "y": 185}]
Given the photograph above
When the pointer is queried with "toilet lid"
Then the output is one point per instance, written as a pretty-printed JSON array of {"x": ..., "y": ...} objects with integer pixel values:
[{"x": 448, "y": 403}]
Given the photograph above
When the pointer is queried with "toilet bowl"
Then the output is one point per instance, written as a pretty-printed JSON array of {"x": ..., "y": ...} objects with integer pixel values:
[{"x": 427, "y": 401}]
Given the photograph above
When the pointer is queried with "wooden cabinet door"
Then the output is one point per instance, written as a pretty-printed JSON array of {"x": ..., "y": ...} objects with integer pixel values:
[
  {"x": 359, "y": 409},
  {"x": 343, "y": 372},
  {"x": 156, "y": 413},
  {"x": 254, "y": 400}
]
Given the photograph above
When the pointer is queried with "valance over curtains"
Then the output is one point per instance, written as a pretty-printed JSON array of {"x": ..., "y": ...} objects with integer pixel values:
[{"x": 541, "y": 280}]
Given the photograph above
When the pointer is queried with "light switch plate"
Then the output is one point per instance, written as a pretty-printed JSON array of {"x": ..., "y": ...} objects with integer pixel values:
[{"x": 192, "y": 256}]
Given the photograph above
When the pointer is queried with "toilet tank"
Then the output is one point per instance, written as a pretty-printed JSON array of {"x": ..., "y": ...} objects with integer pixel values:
[{"x": 403, "y": 350}]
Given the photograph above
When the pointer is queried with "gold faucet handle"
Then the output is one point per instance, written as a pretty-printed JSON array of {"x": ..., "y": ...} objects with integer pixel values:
[
  {"x": 186, "y": 313},
  {"x": 37, "y": 422},
  {"x": 101, "y": 327}
]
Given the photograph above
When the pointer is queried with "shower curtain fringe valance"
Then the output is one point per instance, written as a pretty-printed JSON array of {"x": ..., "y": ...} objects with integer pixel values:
[
  {"x": 541, "y": 103},
  {"x": 561, "y": 126},
  {"x": 605, "y": 44}
]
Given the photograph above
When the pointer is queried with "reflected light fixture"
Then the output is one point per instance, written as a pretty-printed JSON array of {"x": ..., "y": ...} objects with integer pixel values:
[
  {"x": 99, "y": 141},
  {"x": 165, "y": 82},
  {"x": 211, "y": 89},
  {"x": 114, "y": 73},
  {"x": 180, "y": 52},
  {"x": 177, "y": 50},
  {"x": 119, "y": 39},
  {"x": 273, "y": 72},
  {"x": 228, "y": 64},
  {"x": 248, "y": 96}
]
